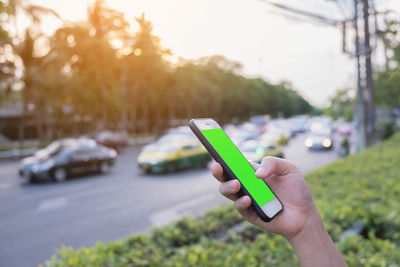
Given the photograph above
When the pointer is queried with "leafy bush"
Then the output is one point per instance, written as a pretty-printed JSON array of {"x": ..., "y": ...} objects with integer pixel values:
[
  {"x": 389, "y": 128},
  {"x": 283, "y": 140},
  {"x": 360, "y": 188}
]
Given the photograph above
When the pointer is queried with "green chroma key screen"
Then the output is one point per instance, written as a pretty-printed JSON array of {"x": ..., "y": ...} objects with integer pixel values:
[{"x": 239, "y": 165}]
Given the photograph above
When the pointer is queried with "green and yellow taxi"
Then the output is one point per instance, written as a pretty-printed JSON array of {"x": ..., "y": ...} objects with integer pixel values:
[
  {"x": 167, "y": 157},
  {"x": 256, "y": 151}
]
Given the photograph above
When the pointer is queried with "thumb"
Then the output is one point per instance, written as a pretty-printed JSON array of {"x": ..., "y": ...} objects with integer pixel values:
[
  {"x": 277, "y": 166},
  {"x": 255, "y": 165}
]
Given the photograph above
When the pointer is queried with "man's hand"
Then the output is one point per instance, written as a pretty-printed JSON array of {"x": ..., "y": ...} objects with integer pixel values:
[
  {"x": 288, "y": 185},
  {"x": 299, "y": 221}
]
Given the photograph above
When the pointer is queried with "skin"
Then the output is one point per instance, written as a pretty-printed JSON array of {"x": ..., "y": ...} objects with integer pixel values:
[{"x": 299, "y": 222}]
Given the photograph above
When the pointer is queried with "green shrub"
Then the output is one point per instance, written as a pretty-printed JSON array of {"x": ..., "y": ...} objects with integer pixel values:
[
  {"x": 388, "y": 129},
  {"x": 283, "y": 140},
  {"x": 363, "y": 187}
]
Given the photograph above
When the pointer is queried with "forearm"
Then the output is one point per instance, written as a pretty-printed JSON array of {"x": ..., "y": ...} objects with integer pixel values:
[{"x": 314, "y": 246}]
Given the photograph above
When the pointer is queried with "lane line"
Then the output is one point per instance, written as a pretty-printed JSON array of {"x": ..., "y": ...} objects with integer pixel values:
[
  {"x": 168, "y": 215},
  {"x": 52, "y": 204},
  {"x": 5, "y": 186}
]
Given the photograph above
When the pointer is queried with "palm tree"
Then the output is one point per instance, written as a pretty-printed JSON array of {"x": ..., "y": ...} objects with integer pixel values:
[
  {"x": 7, "y": 66},
  {"x": 148, "y": 74},
  {"x": 24, "y": 48}
]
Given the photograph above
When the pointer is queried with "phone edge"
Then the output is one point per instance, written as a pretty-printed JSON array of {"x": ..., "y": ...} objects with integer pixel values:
[{"x": 230, "y": 174}]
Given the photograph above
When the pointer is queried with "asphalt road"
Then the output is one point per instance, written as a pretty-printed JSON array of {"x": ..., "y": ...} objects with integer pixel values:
[{"x": 36, "y": 219}]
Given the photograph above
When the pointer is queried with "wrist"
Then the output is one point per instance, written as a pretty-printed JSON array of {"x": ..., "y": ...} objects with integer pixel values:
[
  {"x": 313, "y": 229},
  {"x": 313, "y": 245}
]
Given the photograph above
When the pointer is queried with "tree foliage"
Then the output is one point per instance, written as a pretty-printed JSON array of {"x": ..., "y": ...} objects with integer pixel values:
[
  {"x": 7, "y": 66},
  {"x": 99, "y": 71},
  {"x": 342, "y": 105},
  {"x": 387, "y": 80}
]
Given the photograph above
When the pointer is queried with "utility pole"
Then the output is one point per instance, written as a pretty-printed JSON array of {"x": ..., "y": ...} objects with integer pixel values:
[
  {"x": 365, "y": 110},
  {"x": 369, "y": 82},
  {"x": 360, "y": 108}
]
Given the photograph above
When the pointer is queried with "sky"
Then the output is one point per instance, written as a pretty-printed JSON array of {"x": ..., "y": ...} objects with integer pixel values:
[{"x": 268, "y": 45}]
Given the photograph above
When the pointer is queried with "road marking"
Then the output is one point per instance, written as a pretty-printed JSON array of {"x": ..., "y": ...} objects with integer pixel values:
[
  {"x": 52, "y": 204},
  {"x": 171, "y": 214},
  {"x": 5, "y": 186}
]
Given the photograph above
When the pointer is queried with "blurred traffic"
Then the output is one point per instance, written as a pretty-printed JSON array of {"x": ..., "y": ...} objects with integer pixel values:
[
  {"x": 178, "y": 148},
  {"x": 257, "y": 138}
]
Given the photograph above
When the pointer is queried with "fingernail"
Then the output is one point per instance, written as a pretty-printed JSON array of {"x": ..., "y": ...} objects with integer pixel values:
[{"x": 261, "y": 171}]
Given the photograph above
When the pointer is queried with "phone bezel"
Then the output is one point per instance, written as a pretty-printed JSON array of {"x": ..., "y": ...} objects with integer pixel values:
[{"x": 196, "y": 125}]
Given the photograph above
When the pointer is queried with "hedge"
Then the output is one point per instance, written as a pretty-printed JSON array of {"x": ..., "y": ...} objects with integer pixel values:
[{"x": 362, "y": 189}]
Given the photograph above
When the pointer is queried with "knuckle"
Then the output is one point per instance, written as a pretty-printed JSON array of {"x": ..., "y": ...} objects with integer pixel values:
[
  {"x": 223, "y": 189},
  {"x": 215, "y": 174},
  {"x": 268, "y": 158},
  {"x": 237, "y": 205}
]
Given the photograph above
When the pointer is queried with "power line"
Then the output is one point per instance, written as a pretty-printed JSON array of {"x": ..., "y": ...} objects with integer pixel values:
[
  {"x": 296, "y": 18},
  {"x": 304, "y": 13},
  {"x": 340, "y": 7},
  {"x": 365, "y": 111}
]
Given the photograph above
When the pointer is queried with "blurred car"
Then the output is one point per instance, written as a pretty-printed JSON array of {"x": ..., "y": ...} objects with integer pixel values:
[
  {"x": 112, "y": 139},
  {"x": 282, "y": 126},
  {"x": 319, "y": 140},
  {"x": 171, "y": 138},
  {"x": 167, "y": 157},
  {"x": 182, "y": 130},
  {"x": 255, "y": 151},
  {"x": 274, "y": 137},
  {"x": 260, "y": 121},
  {"x": 250, "y": 128},
  {"x": 318, "y": 124},
  {"x": 242, "y": 133},
  {"x": 67, "y": 157},
  {"x": 299, "y": 123}
]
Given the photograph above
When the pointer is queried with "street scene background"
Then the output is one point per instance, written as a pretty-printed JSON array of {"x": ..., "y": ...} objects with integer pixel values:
[{"x": 99, "y": 167}]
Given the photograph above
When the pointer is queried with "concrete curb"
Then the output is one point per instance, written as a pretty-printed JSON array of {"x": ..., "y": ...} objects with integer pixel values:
[
  {"x": 141, "y": 141},
  {"x": 17, "y": 153}
]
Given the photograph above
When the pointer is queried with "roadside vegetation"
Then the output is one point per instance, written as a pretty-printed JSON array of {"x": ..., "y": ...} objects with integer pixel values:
[{"x": 357, "y": 197}]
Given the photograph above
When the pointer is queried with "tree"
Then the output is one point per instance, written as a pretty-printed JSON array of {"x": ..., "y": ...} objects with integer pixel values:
[
  {"x": 211, "y": 86},
  {"x": 24, "y": 49},
  {"x": 108, "y": 25},
  {"x": 147, "y": 74},
  {"x": 7, "y": 66},
  {"x": 342, "y": 105},
  {"x": 387, "y": 80},
  {"x": 85, "y": 57}
]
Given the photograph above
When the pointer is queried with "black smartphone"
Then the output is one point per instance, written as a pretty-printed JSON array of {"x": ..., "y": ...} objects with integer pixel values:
[{"x": 236, "y": 166}]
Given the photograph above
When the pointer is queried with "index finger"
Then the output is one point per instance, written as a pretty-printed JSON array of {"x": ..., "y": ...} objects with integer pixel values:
[{"x": 218, "y": 172}]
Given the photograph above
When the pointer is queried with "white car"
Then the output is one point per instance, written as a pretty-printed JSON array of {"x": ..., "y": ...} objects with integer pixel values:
[{"x": 319, "y": 141}]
